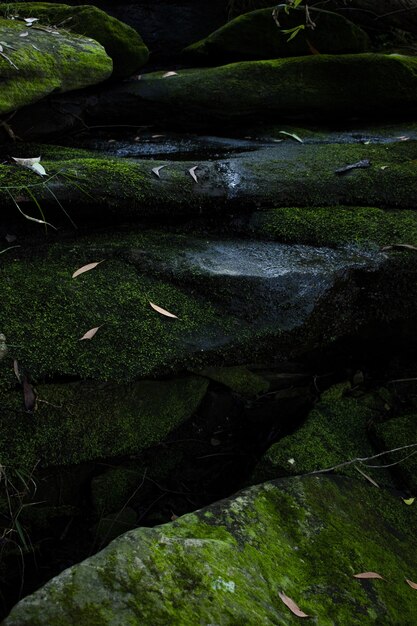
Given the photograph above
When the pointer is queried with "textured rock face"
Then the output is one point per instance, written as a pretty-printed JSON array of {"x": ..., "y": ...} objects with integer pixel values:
[
  {"x": 226, "y": 564},
  {"x": 121, "y": 42},
  {"x": 255, "y": 35},
  {"x": 41, "y": 61}
]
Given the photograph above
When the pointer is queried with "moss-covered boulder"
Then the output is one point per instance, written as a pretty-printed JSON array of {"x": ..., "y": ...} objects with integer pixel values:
[
  {"x": 311, "y": 86},
  {"x": 37, "y": 61},
  {"x": 79, "y": 422},
  {"x": 335, "y": 432},
  {"x": 121, "y": 42},
  {"x": 256, "y": 35},
  {"x": 227, "y": 564}
]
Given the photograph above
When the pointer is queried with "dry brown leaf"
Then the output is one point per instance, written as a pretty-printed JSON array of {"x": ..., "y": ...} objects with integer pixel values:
[
  {"x": 16, "y": 370},
  {"x": 410, "y": 582},
  {"x": 292, "y": 605},
  {"x": 312, "y": 49},
  {"x": 162, "y": 311},
  {"x": 193, "y": 174},
  {"x": 399, "y": 246},
  {"x": 86, "y": 268},
  {"x": 156, "y": 170},
  {"x": 368, "y": 575},
  {"x": 90, "y": 333},
  {"x": 29, "y": 396},
  {"x": 168, "y": 74}
]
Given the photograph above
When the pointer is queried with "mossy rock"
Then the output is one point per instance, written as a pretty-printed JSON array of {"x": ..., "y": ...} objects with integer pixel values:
[
  {"x": 335, "y": 432},
  {"x": 79, "y": 422},
  {"x": 239, "y": 379},
  {"x": 335, "y": 226},
  {"x": 41, "y": 61},
  {"x": 307, "y": 536},
  {"x": 121, "y": 42},
  {"x": 396, "y": 433},
  {"x": 256, "y": 36},
  {"x": 326, "y": 86},
  {"x": 287, "y": 175}
]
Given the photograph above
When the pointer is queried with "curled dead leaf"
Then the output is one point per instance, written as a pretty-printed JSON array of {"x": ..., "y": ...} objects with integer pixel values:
[
  {"x": 25, "y": 34},
  {"x": 368, "y": 575},
  {"x": 410, "y": 582},
  {"x": 168, "y": 74},
  {"x": 31, "y": 164},
  {"x": 292, "y": 135},
  {"x": 162, "y": 311},
  {"x": 86, "y": 268},
  {"x": 16, "y": 370},
  {"x": 90, "y": 333},
  {"x": 156, "y": 170},
  {"x": 292, "y": 605},
  {"x": 399, "y": 246},
  {"x": 193, "y": 174}
]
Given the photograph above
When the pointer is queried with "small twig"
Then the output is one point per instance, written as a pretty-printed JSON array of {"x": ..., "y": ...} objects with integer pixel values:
[{"x": 362, "y": 460}]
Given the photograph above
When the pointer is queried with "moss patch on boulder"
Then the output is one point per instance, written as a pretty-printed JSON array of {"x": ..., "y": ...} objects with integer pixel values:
[
  {"x": 226, "y": 564},
  {"x": 45, "y": 61},
  {"x": 256, "y": 35},
  {"x": 78, "y": 422},
  {"x": 121, "y": 42},
  {"x": 335, "y": 431},
  {"x": 334, "y": 226},
  {"x": 319, "y": 85},
  {"x": 396, "y": 433}
]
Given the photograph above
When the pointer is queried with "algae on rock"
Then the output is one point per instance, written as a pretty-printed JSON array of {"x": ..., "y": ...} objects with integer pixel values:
[
  {"x": 45, "y": 61},
  {"x": 226, "y": 564},
  {"x": 121, "y": 42}
]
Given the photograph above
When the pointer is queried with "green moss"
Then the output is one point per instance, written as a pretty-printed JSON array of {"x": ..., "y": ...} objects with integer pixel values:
[
  {"x": 395, "y": 433},
  {"x": 333, "y": 226},
  {"x": 255, "y": 35},
  {"x": 334, "y": 432},
  {"x": 52, "y": 311},
  {"x": 45, "y": 63},
  {"x": 77, "y": 422},
  {"x": 122, "y": 43},
  {"x": 305, "y": 537},
  {"x": 238, "y": 379},
  {"x": 326, "y": 85}
]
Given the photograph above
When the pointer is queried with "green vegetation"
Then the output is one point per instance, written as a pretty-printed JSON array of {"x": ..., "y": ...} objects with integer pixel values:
[
  {"x": 334, "y": 432},
  {"x": 122, "y": 43},
  {"x": 255, "y": 36},
  {"x": 41, "y": 63},
  {"x": 334, "y": 226},
  {"x": 307, "y": 537}
]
